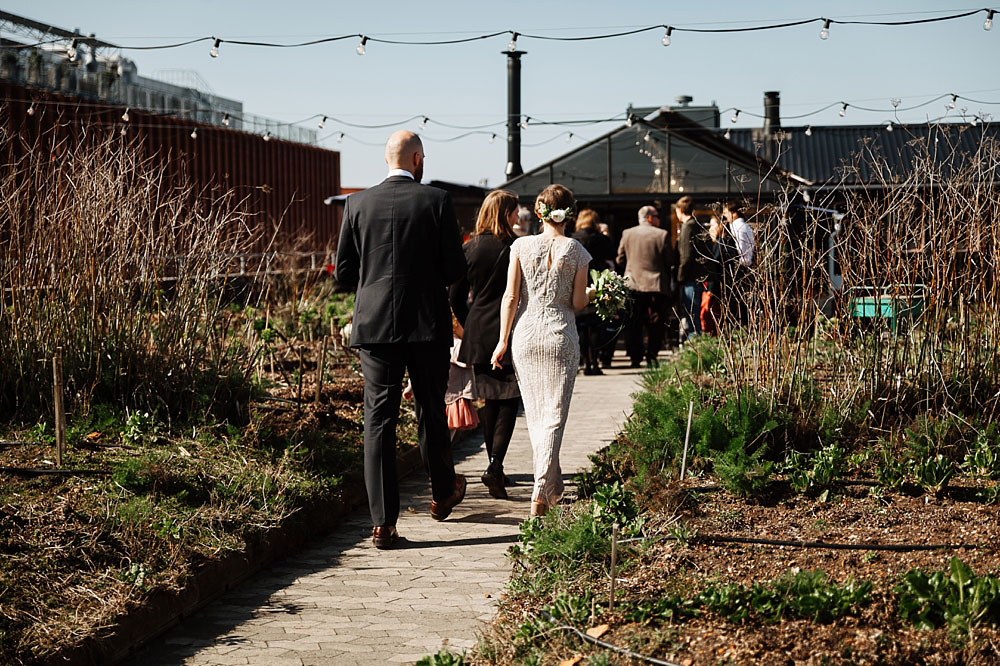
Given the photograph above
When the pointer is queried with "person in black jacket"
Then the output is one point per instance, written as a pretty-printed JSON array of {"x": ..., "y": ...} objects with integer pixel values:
[
  {"x": 588, "y": 324},
  {"x": 694, "y": 253},
  {"x": 475, "y": 301},
  {"x": 399, "y": 249}
]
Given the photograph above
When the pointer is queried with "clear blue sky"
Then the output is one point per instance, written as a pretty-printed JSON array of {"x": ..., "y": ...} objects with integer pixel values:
[{"x": 466, "y": 84}]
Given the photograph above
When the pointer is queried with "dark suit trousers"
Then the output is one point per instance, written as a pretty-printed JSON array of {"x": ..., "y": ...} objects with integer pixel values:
[
  {"x": 649, "y": 312},
  {"x": 383, "y": 367}
]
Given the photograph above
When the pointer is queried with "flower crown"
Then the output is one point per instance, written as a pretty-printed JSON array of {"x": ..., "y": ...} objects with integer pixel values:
[{"x": 557, "y": 215}]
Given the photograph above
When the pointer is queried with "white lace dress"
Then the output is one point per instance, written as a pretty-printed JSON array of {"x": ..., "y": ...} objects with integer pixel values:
[{"x": 545, "y": 348}]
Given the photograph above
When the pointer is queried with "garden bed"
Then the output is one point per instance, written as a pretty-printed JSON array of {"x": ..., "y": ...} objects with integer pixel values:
[
  {"x": 91, "y": 563},
  {"x": 898, "y": 513}
]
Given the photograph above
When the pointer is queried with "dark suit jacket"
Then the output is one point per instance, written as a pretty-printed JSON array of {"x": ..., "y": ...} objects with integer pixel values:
[
  {"x": 600, "y": 247},
  {"x": 694, "y": 249},
  {"x": 646, "y": 253},
  {"x": 488, "y": 258},
  {"x": 399, "y": 249}
]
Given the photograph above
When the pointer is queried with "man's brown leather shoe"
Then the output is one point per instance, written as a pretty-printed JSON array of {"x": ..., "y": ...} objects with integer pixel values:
[
  {"x": 385, "y": 536},
  {"x": 440, "y": 511}
]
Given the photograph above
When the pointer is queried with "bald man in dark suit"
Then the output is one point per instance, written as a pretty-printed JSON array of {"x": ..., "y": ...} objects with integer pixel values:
[{"x": 400, "y": 248}]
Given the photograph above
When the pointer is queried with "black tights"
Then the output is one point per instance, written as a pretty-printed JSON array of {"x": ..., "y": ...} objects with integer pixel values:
[{"x": 497, "y": 417}]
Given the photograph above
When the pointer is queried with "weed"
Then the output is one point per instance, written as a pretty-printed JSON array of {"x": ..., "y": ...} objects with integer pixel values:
[
  {"x": 816, "y": 473},
  {"x": 742, "y": 473},
  {"x": 442, "y": 658},
  {"x": 660, "y": 611},
  {"x": 890, "y": 471},
  {"x": 136, "y": 575}
]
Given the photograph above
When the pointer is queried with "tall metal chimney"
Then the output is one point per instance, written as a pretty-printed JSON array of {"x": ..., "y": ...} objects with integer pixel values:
[
  {"x": 514, "y": 113},
  {"x": 772, "y": 113}
]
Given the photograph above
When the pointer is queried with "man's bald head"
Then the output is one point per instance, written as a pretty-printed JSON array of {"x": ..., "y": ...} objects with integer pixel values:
[{"x": 404, "y": 150}]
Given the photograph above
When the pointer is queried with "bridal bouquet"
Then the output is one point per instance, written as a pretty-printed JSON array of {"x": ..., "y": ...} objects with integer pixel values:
[{"x": 611, "y": 293}]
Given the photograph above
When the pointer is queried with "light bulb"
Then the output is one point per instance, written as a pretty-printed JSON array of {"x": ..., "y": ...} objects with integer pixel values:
[
  {"x": 889, "y": 127},
  {"x": 629, "y": 121},
  {"x": 989, "y": 19},
  {"x": 975, "y": 119},
  {"x": 569, "y": 137},
  {"x": 31, "y": 109},
  {"x": 493, "y": 137},
  {"x": 423, "y": 123},
  {"x": 512, "y": 46},
  {"x": 843, "y": 110},
  {"x": 122, "y": 132},
  {"x": 71, "y": 51},
  {"x": 680, "y": 189},
  {"x": 267, "y": 135},
  {"x": 951, "y": 104},
  {"x": 728, "y": 134},
  {"x": 646, "y": 137},
  {"x": 524, "y": 123},
  {"x": 666, "y": 36},
  {"x": 125, "y": 115},
  {"x": 361, "y": 46},
  {"x": 825, "y": 32},
  {"x": 225, "y": 120},
  {"x": 322, "y": 122},
  {"x": 809, "y": 131},
  {"x": 656, "y": 171},
  {"x": 215, "y": 49},
  {"x": 735, "y": 116},
  {"x": 340, "y": 138},
  {"x": 194, "y": 133}
]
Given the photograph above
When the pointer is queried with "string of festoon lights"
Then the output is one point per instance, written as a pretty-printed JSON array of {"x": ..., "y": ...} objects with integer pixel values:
[
  {"x": 526, "y": 121},
  {"x": 666, "y": 39}
]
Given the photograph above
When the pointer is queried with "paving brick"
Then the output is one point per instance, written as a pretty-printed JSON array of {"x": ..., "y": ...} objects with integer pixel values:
[{"x": 343, "y": 602}]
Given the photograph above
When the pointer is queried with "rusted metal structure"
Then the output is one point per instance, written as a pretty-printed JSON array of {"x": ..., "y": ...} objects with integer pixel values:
[{"x": 284, "y": 184}]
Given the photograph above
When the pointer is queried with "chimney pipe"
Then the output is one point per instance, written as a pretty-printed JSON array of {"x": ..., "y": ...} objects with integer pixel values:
[
  {"x": 772, "y": 113},
  {"x": 514, "y": 113}
]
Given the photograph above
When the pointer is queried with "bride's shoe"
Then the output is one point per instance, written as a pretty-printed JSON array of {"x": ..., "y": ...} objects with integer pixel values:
[{"x": 538, "y": 508}]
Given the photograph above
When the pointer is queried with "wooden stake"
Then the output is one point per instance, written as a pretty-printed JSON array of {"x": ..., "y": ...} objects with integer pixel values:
[
  {"x": 59, "y": 407},
  {"x": 687, "y": 438},
  {"x": 298, "y": 399},
  {"x": 320, "y": 369},
  {"x": 614, "y": 562}
]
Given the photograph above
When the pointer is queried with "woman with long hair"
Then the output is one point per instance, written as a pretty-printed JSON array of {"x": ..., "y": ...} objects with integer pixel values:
[
  {"x": 476, "y": 303},
  {"x": 546, "y": 285}
]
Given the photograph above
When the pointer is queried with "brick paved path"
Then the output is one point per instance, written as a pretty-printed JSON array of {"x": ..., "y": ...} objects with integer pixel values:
[{"x": 341, "y": 601}]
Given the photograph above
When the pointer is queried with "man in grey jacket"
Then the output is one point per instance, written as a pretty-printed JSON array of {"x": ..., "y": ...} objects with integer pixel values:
[{"x": 647, "y": 256}]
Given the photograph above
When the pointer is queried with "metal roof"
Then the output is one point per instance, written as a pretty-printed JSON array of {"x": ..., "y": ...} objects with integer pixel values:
[{"x": 821, "y": 157}]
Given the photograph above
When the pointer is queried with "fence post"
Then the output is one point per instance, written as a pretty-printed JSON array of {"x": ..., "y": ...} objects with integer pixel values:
[
  {"x": 320, "y": 369},
  {"x": 59, "y": 407}
]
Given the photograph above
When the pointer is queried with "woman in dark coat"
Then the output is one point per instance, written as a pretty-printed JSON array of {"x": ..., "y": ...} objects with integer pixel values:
[
  {"x": 476, "y": 304},
  {"x": 602, "y": 251}
]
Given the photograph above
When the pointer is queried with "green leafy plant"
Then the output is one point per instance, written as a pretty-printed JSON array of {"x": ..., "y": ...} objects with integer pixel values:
[
  {"x": 933, "y": 473},
  {"x": 816, "y": 473},
  {"x": 890, "y": 471},
  {"x": 613, "y": 503},
  {"x": 664, "y": 609},
  {"x": 983, "y": 458},
  {"x": 798, "y": 594},
  {"x": 958, "y": 598}
]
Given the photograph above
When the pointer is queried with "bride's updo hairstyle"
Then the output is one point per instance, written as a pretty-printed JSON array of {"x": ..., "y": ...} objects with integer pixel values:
[{"x": 555, "y": 197}]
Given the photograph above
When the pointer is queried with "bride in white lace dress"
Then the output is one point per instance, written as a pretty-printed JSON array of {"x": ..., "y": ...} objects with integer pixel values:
[{"x": 546, "y": 284}]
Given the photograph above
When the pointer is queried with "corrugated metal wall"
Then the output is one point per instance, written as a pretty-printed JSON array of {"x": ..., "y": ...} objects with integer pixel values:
[{"x": 283, "y": 182}]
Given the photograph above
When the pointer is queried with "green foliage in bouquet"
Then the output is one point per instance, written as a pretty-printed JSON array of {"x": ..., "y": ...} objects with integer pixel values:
[{"x": 612, "y": 294}]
